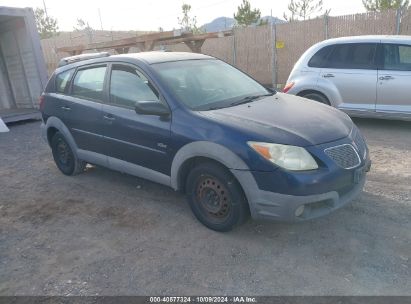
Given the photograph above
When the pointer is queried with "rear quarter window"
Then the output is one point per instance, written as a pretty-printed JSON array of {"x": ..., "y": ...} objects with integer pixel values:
[
  {"x": 320, "y": 58},
  {"x": 62, "y": 80}
]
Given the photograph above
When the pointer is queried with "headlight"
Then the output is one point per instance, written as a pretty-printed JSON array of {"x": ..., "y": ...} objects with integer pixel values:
[{"x": 288, "y": 157}]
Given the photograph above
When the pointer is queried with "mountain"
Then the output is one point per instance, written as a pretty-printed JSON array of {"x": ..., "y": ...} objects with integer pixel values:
[
  {"x": 227, "y": 23},
  {"x": 219, "y": 24},
  {"x": 275, "y": 19}
]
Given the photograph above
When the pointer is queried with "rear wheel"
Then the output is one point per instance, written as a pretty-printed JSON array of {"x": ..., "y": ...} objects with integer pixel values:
[
  {"x": 215, "y": 197},
  {"x": 64, "y": 156},
  {"x": 316, "y": 97}
]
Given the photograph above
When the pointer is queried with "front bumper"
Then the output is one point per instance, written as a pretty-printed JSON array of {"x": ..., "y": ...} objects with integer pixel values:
[
  {"x": 43, "y": 129},
  {"x": 282, "y": 207}
]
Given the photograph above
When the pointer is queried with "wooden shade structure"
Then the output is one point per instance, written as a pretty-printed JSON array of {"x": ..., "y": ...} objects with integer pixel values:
[{"x": 147, "y": 42}]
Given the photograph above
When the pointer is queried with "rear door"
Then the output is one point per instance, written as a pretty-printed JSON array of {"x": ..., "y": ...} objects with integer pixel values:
[
  {"x": 142, "y": 140},
  {"x": 84, "y": 105},
  {"x": 56, "y": 95},
  {"x": 394, "y": 79},
  {"x": 351, "y": 70}
]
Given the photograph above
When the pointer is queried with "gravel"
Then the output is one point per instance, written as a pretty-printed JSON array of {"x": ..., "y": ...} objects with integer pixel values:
[{"x": 106, "y": 233}]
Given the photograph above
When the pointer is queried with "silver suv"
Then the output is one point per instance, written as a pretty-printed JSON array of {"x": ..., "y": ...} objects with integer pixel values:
[{"x": 368, "y": 76}]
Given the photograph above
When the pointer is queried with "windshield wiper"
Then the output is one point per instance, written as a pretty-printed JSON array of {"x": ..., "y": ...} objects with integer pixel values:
[
  {"x": 248, "y": 99},
  {"x": 244, "y": 100}
]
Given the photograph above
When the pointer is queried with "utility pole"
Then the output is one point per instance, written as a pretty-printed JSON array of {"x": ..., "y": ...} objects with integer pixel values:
[
  {"x": 45, "y": 9},
  {"x": 398, "y": 21},
  {"x": 101, "y": 22}
]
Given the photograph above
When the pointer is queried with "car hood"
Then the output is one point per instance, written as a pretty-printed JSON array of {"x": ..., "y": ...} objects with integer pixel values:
[{"x": 286, "y": 119}]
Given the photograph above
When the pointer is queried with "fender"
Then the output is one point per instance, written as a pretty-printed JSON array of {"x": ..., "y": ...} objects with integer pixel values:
[
  {"x": 204, "y": 149},
  {"x": 59, "y": 125},
  {"x": 224, "y": 156},
  {"x": 330, "y": 91},
  {"x": 314, "y": 82}
]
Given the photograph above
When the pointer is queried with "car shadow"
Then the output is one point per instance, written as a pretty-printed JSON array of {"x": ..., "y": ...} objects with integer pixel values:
[
  {"x": 364, "y": 209},
  {"x": 384, "y": 124}
]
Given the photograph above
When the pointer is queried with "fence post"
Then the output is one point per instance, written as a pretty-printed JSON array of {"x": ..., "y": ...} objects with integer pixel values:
[
  {"x": 273, "y": 29},
  {"x": 398, "y": 21},
  {"x": 326, "y": 33},
  {"x": 234, "y": 48}
]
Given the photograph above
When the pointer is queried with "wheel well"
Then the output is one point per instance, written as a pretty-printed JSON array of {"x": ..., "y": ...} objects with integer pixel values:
[
  {"x": 186, "y": 168},
  {"x": 190, "y": 164},
  {"x": 50, "y": 133},
  {"x": 194, "y": 161},
  {"x": 305, "y": 92}
]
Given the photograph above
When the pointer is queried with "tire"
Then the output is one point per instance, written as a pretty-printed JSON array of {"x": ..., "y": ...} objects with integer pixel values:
[
  {"x": 216, "y": 197},
  {"x": 316, "y": 97},
  {"x": 64, "y": 157}
]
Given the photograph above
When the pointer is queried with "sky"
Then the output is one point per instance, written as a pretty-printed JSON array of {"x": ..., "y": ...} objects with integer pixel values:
[{"x": 147, "y": 15}]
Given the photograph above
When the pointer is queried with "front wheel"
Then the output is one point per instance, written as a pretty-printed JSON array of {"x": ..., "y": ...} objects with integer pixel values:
[{"x": 215, "y": 197}]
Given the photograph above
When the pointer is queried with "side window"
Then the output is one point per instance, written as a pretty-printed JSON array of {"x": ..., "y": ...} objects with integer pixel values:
[
  {"x": 397, "y": 57},
  {"x": 62, "y": 80},
  {"x": 89, "y": 83},
  {"x": 128, "y": 85},
  {"x": 319, "y": 59},
  {"x": 339, "y": 57},
  {"x": 353, "y": 56}
]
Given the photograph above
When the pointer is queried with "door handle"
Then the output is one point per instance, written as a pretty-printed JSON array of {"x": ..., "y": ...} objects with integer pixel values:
[
  {"x": 386, "y": 77},
  {"x": 109, "y": 117},
  {"x": 64, "y": 108},
  {"x": 328, "y": 76}
]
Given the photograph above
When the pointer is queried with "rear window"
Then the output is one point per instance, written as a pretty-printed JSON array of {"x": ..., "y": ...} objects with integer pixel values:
[
  {"x": 62, "y": 80},
  {"x": 352, "y": 56}
]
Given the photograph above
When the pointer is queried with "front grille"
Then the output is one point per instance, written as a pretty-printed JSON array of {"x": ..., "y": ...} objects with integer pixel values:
[{"x": 344, "y": 156}]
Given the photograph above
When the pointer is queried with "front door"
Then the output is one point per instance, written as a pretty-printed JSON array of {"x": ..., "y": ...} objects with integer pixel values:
[
  {"x": 142, "y": 140},
  {"x": 351, "y": 70},
  {"x": 394, "y": 80}
]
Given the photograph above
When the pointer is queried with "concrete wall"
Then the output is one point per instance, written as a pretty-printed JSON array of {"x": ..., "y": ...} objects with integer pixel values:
[{"x": 22, "y": 68}]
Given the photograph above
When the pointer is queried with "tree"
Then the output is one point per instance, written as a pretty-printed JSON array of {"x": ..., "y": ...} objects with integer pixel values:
[
  {"x": 188, "y": 23},
  {"x": 82, "y": 25},
  {"x": 381, "y": 5},
  {"x": 46, "y": 26},
  {"x": 303, "y": 9},
  {"x": 245, "y": 15}
]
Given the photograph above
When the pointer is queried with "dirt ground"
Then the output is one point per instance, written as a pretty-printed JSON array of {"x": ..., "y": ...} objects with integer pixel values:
[{"x": 107, "y": 233}]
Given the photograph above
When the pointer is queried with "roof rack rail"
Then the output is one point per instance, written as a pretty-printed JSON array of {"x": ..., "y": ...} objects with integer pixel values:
[{"x": 72, "y": 59}]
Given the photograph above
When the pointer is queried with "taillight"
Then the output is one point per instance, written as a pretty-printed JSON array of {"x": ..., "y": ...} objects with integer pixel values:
[
  {"x": 42, "y": 99},
  {"x": 288, "y": 87}
]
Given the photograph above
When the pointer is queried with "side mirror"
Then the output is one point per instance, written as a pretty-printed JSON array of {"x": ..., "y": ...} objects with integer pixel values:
[{"x": 151, "y": 107}]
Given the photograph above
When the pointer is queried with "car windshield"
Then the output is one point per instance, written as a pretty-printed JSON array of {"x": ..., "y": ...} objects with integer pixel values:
[{"x": 209, "y": 83}]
